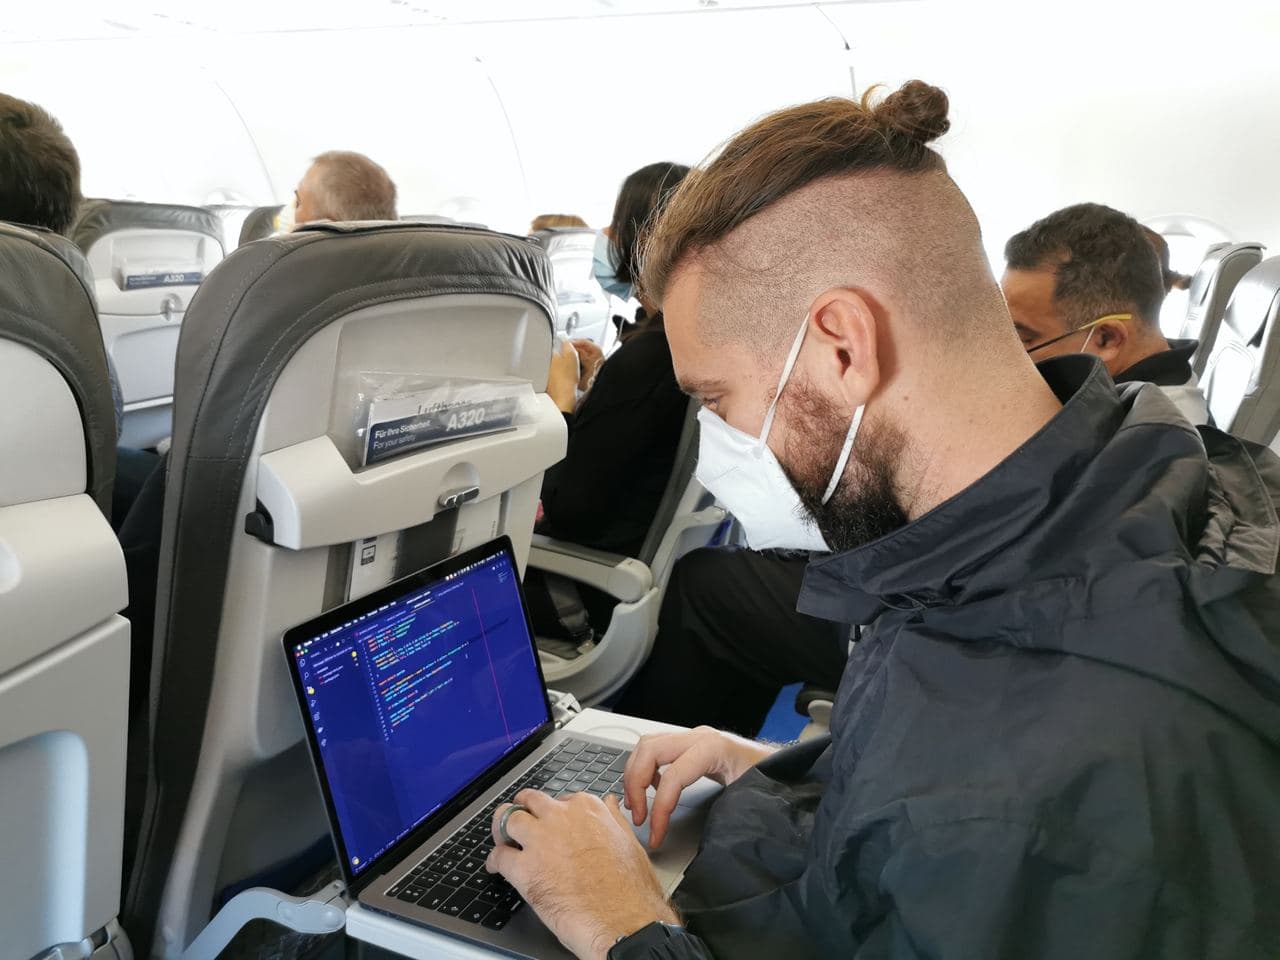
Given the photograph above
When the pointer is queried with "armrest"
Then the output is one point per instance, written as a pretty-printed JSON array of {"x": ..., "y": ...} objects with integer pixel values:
[{"x": 623, "y": 578}]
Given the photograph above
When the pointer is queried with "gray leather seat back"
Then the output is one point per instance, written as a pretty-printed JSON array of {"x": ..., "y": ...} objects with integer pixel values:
[
  {"x": 232, "y": 217},
  {"x": 46, "y": 299},
  {"x": 1242, "y": 384},
  {"x": 64, "y": 650},
  {"x": 260, "y": 223},
  {"x": 682, "y": 470},
  {"x": 583, "y": 305},
  {"x": 266, "y": 503},
  {"x": 1211, "y": 289},
  {"x": 147, "y": 260}
]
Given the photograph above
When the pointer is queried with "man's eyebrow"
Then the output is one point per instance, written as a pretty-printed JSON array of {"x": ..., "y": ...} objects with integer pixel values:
[{"x": 699, "y": 388}]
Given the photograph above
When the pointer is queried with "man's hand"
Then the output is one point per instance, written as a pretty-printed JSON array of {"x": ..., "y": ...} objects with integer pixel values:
[
  {"x": 562, "y": 378},
  {"x": 591, "y": 356},
  {"x": 672, "y": 761},
  {"x": 581, "y": 869}
]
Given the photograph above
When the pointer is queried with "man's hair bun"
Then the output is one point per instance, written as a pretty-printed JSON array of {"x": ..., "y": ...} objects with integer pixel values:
[{"x": 917, "y": 110}]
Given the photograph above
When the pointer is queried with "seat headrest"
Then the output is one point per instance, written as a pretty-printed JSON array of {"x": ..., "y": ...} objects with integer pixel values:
[
  {"x": 101, "y": 217},
  {"x": 46, "y": 304},
  {"x": 555, "y": 239},
  {"x": 294, "y": 284},
  {"x": 1255, "y": 302},
  {"x": 259, "y": 223}
]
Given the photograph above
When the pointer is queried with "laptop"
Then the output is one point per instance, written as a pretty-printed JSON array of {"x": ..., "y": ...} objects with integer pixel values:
[{"x": 425, "y": 709}]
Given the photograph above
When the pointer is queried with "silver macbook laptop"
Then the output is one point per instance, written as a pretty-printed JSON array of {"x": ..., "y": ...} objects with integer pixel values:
[{"x": 425, "y": 709}]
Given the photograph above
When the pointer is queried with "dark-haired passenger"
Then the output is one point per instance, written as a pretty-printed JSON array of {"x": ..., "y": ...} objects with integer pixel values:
[
  {"x": 1059, "y": 735},
  {"x": 623, "y": 432},
  {"x": 1088, "y": 279}
]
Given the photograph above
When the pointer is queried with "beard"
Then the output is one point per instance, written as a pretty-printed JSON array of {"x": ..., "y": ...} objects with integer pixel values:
[{"x": 865, "y": 505}]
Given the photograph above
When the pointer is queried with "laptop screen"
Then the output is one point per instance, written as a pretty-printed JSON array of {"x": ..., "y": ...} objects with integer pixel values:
[{"x": 415, "y": 697}]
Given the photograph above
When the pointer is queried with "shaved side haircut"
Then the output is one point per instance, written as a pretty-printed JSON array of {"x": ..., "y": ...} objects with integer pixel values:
[
  {"x": 835, "y": 193},
  {"x": 350, "y": 186}
]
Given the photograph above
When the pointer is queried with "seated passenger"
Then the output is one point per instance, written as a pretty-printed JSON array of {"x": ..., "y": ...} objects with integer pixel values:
[
  {"x": 730, "y": 638},
  {"x": 344, "y": 185},
  {"x": 1173, "y": 280},
  {"x": 40, "y": 187},
  {"x": 551, "y": 221},
  {"x": 1086, "y": 279},
  {"x": 624, "y": 431},
  {"x": 1059, "y": 735}
]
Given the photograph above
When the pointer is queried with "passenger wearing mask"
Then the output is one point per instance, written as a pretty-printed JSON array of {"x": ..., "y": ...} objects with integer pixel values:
[
  {"x": 344, "y": 185},
  {"x": 624, "y": 431},
  {"x": 1087, "y": 279},
  {"x": 1059, "y": 735}
]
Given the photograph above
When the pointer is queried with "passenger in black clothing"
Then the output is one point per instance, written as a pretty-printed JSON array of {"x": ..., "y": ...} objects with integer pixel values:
[
  {"x": 622, "y": 444},
  {"x": 1059, "y": 733},
  {"x": 624, "y": 431},
  {"x": 729, "y": 639}
]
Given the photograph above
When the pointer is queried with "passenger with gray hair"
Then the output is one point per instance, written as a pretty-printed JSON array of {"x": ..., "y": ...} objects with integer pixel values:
[{"x": 344, "y": 185}]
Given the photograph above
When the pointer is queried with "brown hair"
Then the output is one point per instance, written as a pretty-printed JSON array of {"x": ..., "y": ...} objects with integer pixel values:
[
  {"x": 353, "y": 187},
  {"x": 39, "y": 168},
  {"x": 785, "y": 152},
  {"x": 1173, "y": 280},
  {"x": 549, "y": 221}
]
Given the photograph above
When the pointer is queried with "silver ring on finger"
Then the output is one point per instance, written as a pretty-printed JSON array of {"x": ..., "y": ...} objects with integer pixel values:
[{"x": 502, "y": 823}]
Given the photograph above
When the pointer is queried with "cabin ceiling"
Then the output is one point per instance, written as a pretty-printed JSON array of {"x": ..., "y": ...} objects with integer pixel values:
[{"x": 31, "y": 21}]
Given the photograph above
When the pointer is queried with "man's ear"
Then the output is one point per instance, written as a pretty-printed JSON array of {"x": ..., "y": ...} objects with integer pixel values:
[
  {"x": 1109, "y": 341},
  {"x": 844, "y": 325}
]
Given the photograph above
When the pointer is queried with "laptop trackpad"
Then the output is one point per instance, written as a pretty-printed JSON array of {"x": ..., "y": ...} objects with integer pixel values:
[{"x": 684, "y": 831}]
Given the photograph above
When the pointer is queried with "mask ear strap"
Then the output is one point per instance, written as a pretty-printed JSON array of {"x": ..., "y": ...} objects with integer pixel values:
[
  {"x": 843, "y": 460},
  {"x": 1092, "y": 330},
  {"x": 782, "y": 380}
]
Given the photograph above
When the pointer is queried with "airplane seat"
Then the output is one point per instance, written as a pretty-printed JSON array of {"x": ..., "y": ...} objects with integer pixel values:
[
  {"x": 687, "y": 518},
  {"x": 147, "y": 260},
  {"x": 583, "y": 305},
  {"x": 439, "y": 218},
  {"x": 64, "y": 662},
  {"x": 1210, "y": 292},
  {"x": 232, "y": 217},
  {"x": 271, "y": 519},
  {"x": 259, "y": 223},
  {"x": 1242, "y": 384}
]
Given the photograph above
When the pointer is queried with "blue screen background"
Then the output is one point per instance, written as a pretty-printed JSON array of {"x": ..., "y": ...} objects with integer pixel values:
[{"x": 411, "y": 702}]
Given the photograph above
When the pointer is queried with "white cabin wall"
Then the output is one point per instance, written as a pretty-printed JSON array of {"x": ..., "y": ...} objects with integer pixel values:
[{"x": 1155, "y": 108}]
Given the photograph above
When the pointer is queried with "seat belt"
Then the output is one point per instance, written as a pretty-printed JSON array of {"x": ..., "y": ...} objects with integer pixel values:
[{"x": 571, "y": 612}]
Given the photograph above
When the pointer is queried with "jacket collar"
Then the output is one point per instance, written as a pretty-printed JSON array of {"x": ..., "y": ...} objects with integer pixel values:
[
  {"x": 926, "y": 562},
  {"x": 1168, "y": 368}
]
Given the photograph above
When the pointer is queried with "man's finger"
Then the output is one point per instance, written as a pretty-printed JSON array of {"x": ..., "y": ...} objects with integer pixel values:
[
  {"x": 614, "y": 806},
  {"x": 691, "y": 765},
  {"x": 539, "y": 803},
  {"x": 518, "y": 823},
  {"x": 642, "y": 767},
  {"x": 502, "y": 859}
]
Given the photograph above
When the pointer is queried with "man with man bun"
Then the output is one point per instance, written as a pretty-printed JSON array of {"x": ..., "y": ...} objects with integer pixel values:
[{"x": 1059, "y": 735}]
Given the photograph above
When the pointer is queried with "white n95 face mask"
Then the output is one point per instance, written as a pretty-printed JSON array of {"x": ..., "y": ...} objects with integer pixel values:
[{"x": 742, "y": 473}]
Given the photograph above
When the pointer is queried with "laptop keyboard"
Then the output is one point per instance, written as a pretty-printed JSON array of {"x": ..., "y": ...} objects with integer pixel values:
[{"x": 452, "y": 878}]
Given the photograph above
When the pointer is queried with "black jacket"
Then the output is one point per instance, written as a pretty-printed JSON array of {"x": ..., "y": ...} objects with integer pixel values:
[
  {"x": 1060, "y": 737},
  {"x": 622, "y": 447}
]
